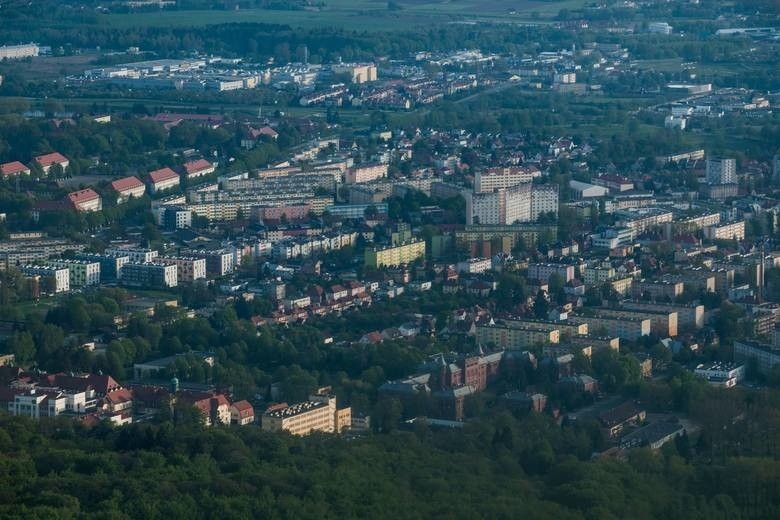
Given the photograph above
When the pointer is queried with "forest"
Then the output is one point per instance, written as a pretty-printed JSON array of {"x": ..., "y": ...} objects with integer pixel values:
[{"x": 504, "y": 468}]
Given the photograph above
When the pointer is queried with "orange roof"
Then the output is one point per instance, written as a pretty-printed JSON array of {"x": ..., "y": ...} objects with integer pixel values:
[
  {"x": 51, "y": 158},
  {"x": 13, "y": 168},
  {"x": 244, "y": 408},
  {"x": 81, "y": 196},
  {"x": 126, "y": 183},
  {"x": 197, "y": 166},
  {"x": 162, "y": 175}
]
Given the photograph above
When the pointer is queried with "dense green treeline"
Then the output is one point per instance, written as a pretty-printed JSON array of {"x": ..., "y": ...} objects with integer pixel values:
[{"x": 505, "y": 468}]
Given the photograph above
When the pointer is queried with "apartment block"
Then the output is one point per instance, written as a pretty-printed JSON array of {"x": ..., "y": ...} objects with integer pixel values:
[
  {"x": 395, "y": 255},
  {"x": 623, "y": 327},
  {"x": 499, "y": 178},
  {"x": 82, "y": 272},
  {"x": 366, "y": 173},
  {"x": 139, "y": 256},
  {"x": 765, "y": 357},
  {"x": 110, "y": 265},
  {"x": 318, "y": 414},
  {"x": 135, "y": 274},
  {"x": 662, "y": 322},
  {"x": 218, "y": 263},
  {"x": 188, "y": 269},
  {"x": 726, "y": 231},
  {"x": 516, "y": 337},
  {"x": 657, "y": 289},
  {"x": 688, "y": 316},
  {"x": 543, "y": 272},
  {"x": 54, "y": 280},
  {"x": 502, "y": 206}
]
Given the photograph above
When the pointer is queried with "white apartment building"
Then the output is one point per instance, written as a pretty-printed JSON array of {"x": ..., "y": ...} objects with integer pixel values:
[
  {"x": 188, "y": 269},
  {"x": 15, "y": 52},
  {"x": 82, "y": 272},
  {"x": 57, "y": 278},
  {"x": 141, "y": 256},
  {"x": 721, "y": 170},
  {"x": 37, "y": 403},
  {"x": 544, "y": 199},
  {"x": 366, "y": 173},
  {"x": 542, "y": 272},
  {"x": 474, "y": 265},
  {"x": 496, "y": 178},
  {"x": 726, "y": 231},
  {"x": 503, "y": 206}
]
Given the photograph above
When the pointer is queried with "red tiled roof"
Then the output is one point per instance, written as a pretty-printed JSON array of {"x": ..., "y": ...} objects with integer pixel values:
[
  {"x": 81, "y": 196},
  {"x": 126, "y": 183},
  {"x": 197, "y": 166},
  {"x": 162, "y": 175},
  {"x": 13, "y": 168},
  {"x": 119, "y": 396},
  {"x": 244, "y": 409},
  {"x": 51, "y": 158}
]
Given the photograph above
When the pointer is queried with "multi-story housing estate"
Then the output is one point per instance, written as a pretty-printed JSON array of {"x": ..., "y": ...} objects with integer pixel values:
[
  {"x": 54, "y": 280},
  {"x": 110, "y": 264},
  {"x": 366, "y": 173},
  {"x": 188, "y": 269},
  {"x": 544, "y": 199},
  {"x": 689, "y": 316},
  {"x": 137, "y": 274},
  {"x": 721, "y": 170},
  {"x": 15, "y": 52},
  {"x": 82, "y": 272},
  {"x": 501, "y": 178},
  {"x": 765, "y": 356},
  {"x": 630, "y": 328},
  {"x": 140, "y": 256},
  {"x": 542, "y": 272},
  {"x": 501, "y": 206},
  {"x": 395, "y": 255},
  {"x": 128, "y": 187},
  {"x": 657, "y": 289},
  {"x": 643, "y": 219},
  {"x": 163, "y": 179},
  {"x": 726, "y": 231},
  {"x": 663, "y": 322},
  {"x": 516, "y": 335},
  {"x": 218, "y": 263}
]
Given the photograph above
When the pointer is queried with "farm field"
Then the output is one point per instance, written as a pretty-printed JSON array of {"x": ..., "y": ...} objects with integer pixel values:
[{"x": 359, "y": 14}]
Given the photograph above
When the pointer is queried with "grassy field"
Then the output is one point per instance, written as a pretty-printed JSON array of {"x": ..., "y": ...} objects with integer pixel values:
[{"x": 370, "y": 15}]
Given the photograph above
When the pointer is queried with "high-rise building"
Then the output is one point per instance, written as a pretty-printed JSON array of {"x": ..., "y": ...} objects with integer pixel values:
[
  {"x": 502, "y": 206},
  {"x": 721, "y": 170},
  {"x": 544, "y": 199}
]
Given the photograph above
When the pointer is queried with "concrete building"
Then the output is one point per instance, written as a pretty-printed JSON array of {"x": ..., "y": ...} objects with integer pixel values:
[
  {"x": 726, "y": 231},
  {"x": 689, "y": 316},
  {"x": 721, "y": 374},
  {"x": 623, "y": 327},
  {"x": 110, "y": 265},
  {"x": 544, "y": 199},
  {"x": 84, "y": 200},
  {"x": 657, "y": 289},
  {"x": 128, "y": 187},
  {"x": 163, "y": 179},
  {"x": 198, "y": 168},
  {"x": 502, "y": 206},
  {"x": 542, "y": 272},
  {"x": 764, "y": 356},
  {"x": 721, "y": 170},
  {"x": 663, "y": 322},
  {"x": 366, "y": 173},
  {"x": 16, "y": 52},
  {"x": 358, "y": 72},
  {"x": 188, "y": 269},
  {"x": 474, "y": 265},
  {"x": 136, "y": 274},
  {"x": 318, "y": 414},
  {"x": 511, "y": 336},
  {"x": 218, "y": 263},
  {"x": 583, "y": 190},
  {"x": 501, "y": 178},
  {"x": 82, "y": 272},
  {"x": 391, "y": 256},
  {"x": 174, "y": 217},
  {"x": 14, "y": 168},
  {"x": 48, "y": 160},
  {"x": 54, "y": 280},
  {"x": 141, "y": 256}
]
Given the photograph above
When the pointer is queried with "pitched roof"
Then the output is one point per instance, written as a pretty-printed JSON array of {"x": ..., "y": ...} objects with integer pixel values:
[
  {"x": 121, "y": 395},
  {"x": 162, "y": 174},
  {"x": 82, "y": 196},
  {"x": 197, "y": 166},
  {"x": 51, "y": 158},
  {"x": 126, "y": 183},
  {"x": 244, "y": 409},
  {"x": 13, "y": 168}
]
